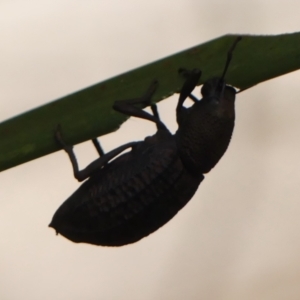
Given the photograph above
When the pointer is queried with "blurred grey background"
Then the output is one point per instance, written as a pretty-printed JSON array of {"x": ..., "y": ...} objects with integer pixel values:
[{"x": 238, "y": 238}]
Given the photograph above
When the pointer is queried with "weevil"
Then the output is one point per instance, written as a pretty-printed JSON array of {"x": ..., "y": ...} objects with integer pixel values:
[{"x": 127, "y": 197}]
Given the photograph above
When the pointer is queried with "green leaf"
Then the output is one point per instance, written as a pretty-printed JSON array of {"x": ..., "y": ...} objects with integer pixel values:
[{"x": 88, "y": 113}]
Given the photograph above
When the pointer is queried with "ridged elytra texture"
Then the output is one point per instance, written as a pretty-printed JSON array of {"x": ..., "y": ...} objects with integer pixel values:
[{"x": 129, "y": 198}]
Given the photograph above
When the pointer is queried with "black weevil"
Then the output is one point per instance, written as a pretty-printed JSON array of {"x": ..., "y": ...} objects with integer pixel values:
[{"x": 128, "y": 197}]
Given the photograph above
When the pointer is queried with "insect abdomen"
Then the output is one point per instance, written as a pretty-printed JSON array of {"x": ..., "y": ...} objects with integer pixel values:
[{"x": 130, "y": 198}]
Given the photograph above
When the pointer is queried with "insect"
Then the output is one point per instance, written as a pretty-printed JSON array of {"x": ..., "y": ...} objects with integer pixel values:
[{"x": 126, "y": 198}]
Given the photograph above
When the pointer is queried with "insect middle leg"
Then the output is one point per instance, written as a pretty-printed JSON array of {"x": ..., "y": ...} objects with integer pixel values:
[{"x": 128, "y": 107}]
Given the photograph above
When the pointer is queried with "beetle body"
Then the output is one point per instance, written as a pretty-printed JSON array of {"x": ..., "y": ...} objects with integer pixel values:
[{"x": 128, "y": 197}]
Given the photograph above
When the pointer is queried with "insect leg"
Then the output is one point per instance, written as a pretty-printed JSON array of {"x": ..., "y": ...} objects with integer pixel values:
[
  {"x": 160, "y": 124},
  {"x": 188, "y": 86},
  {"x": 128, "y": 107},
  {"x": 192, "y": 78},
  {"x": 194, "y": 98},
  {"x": 195, "y": 73},
  {"x": 98, "y": 147},
  {"x": 95, "y": 165}
]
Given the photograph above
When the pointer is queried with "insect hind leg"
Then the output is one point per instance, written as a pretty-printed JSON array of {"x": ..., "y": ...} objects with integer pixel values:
[{"x": 81, "y": 175}]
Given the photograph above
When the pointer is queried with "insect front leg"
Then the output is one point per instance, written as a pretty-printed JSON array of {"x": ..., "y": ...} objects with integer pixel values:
[
  {"x": 192, "y": 79},
  {"x": 95, "y": 165}
]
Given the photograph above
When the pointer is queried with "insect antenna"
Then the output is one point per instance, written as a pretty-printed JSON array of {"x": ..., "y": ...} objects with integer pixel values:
[{"x": 229, "y": 56}]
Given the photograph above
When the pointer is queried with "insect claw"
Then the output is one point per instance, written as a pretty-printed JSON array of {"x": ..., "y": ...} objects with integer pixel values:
[
  {"x": 182, "y": 70},
  {"x": 154, "y": 82},
  {"x": 188, "y": 73},
  {"x": 152, "y": 87},
  {"x": 59, "y": 139}
]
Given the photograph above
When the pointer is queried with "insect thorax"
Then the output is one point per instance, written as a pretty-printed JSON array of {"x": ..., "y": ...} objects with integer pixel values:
[{"x": 203, "y": 136}]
